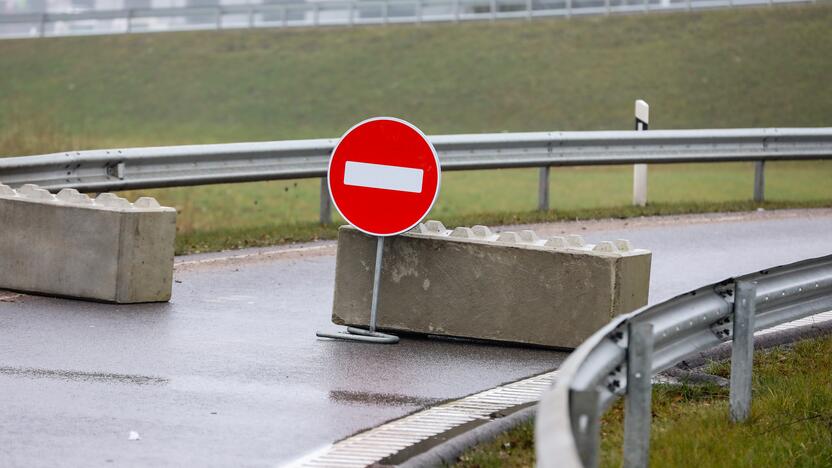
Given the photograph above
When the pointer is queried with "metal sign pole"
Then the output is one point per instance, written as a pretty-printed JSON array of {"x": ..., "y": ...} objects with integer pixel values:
[
  {"x": 359, "y": 334},
  {"x": 376, "y": 280}
]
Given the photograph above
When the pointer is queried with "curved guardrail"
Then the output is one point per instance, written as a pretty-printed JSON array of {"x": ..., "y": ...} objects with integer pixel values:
[{"x": 619, "y": 359}]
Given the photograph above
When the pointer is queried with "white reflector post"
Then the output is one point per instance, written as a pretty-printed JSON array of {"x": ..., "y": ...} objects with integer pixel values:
[
  {"x": 379, "y": 176},
  {"x": 640, "y": 170}
]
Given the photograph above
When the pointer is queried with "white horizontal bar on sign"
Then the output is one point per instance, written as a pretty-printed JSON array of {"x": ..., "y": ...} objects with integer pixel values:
[{"x": 379, "y": 176}]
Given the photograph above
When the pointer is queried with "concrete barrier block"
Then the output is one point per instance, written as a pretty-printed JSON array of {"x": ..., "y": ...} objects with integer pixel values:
[
  {"x": 69, "y": 245},
  {"x": 513, "y": 287}
]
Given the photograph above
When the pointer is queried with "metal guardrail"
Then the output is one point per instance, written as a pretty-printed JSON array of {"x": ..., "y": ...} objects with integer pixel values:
[
  {"x": 175, "y": 166},
  {"x": 620, "y": 359},
  {"x": 331, "y": 12}
]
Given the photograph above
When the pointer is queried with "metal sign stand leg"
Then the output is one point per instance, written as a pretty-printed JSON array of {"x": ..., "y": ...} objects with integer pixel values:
[{"x": 371, "y": 335}]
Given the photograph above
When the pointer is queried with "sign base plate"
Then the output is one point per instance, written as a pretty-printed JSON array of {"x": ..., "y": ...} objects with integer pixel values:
[{"x": 359, "y": 334}]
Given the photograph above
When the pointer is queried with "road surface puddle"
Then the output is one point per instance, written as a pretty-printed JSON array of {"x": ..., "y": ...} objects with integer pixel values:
[{"x": 380, "y": 399}]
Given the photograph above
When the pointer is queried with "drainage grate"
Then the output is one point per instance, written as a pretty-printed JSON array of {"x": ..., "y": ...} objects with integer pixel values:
[{"x": 376, "y": 444}]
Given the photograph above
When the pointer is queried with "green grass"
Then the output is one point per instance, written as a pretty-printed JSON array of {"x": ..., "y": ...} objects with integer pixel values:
[
  {"x": 727, "y": 68},
  {"x": 790, "y": 424}
]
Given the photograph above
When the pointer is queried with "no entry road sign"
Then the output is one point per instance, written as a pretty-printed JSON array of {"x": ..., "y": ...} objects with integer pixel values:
[{"x": 384, "y": 176}]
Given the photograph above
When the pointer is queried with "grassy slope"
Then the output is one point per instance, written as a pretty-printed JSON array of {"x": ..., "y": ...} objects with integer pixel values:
[
  {"x": 790, "y": 425},
  {"x": 728, "y": 68}
]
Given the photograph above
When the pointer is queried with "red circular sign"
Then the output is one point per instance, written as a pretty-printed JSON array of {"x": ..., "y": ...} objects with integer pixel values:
[{"x": 384, "y": 176}]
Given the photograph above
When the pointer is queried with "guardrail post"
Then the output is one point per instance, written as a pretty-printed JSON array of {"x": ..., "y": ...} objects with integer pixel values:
[
  {"x": 326, "y": 203},
  {"x": 568, "y": 8},
  {"x": 640, "y": 170},
  {"x": 251, "y": 18},
  {"x": 219, "y": 18},
  {"x": 42, "y": 28},
  {"x": 352, "y": 14},
  {"x": 493, "y": 6},
  {"x": 607, "y": 7},
  {"x": 456, "y": 11},
  {"x": 742, "y": 350},
  {"x": 543, "y": 189},
  {"x": 759, "y": 181},
  {"x": 419, "y": 14},
  {"x": 129, "y": 17},
  {"x": 639, "y": 399},
  {"x": 586, "y": 425}
]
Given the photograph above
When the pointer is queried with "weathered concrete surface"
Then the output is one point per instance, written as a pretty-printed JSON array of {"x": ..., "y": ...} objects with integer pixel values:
[
  {"x": 471, "y": 283},
  {"x": 70, "y": 245}
]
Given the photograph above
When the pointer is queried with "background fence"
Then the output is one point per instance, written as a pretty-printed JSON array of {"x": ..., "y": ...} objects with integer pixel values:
[
  {"x": 34, "y": 18},
  {"x": 175, "y": 166}
]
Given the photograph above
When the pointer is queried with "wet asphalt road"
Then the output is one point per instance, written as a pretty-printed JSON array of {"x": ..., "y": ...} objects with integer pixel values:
[{"x": 229, "y": 373}]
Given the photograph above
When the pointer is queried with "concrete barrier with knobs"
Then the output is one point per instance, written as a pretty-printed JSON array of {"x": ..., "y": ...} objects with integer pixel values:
[
  {"x": 470, "y": 282},
  {"x": 70, "y": 245}
]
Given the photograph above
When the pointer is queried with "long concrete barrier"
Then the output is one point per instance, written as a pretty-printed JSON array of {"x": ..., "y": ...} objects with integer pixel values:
[
  {"x": 470, "y": 282},
  {"x": 70, "y": 245}
]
